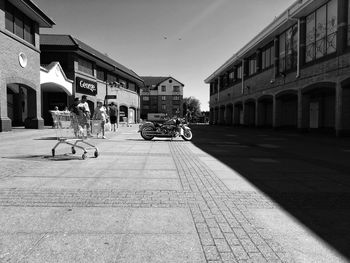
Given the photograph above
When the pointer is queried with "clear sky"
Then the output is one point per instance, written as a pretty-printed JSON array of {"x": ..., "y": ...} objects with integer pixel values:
[{"x": 185, "y": 39}]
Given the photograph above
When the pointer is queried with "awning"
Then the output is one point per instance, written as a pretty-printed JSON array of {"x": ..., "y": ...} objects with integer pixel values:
[{"x": 53, "y": 79}]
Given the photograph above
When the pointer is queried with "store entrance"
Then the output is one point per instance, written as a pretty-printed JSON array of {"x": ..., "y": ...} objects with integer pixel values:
[
  {"x": 17, "y": 104},
  {"x": 50, "y": 101}
]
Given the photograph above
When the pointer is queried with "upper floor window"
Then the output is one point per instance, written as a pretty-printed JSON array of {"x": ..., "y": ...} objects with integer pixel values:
[
  {"x": 163, "y": 107},
  {"x": 288, "y": 49},
  {"x": 111, "y": 78},
  {"x": 252, "y": 65},
  {"x": 145, "y": 98},
  {"x": 163, "y": 88},
  {"x": 163, "y": 98},
  {"x": 176, "y": 97},
  {"x": 176, "y": 88},
  {"x": 85, "y": 66},
  {"x": 19, "y": 24},
  {"x": 231, "y": 76},
  {"x": 321, "y": 31},
  {"x": 100, "y": 74},
  {"x": 267, "y": 57},
  {"x": 239, "y": 72},
  {"x": 132, "y": 86},
  {"x": 123, "y": 83}
]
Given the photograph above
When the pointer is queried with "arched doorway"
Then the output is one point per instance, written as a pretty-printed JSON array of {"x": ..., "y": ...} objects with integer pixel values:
[
  {"x": 345, "y": 107},
  {"x": 238, "y": 118},
  {"x": 123, "y": 113},
  {"x": 318, "y": 106},
  {"x": 265, "y": 111},
  {"x": 222, "y": 115},
  {"x": 132, "y": 115},
  {"x": 249, "y": 113},
  {"x": 286, "y": 109},
  {"x": 21, "y": 105},
  {"x": 229, "y": 114}
]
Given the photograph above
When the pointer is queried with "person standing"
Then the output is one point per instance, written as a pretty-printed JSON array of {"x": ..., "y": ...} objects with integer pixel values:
[
  {"x": 100, "y": 113},
  {"x": 85, "y": 106},
  {"x": 113, "y": 115}
]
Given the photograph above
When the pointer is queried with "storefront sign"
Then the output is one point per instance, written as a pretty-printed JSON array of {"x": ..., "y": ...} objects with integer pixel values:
[
  {"x": 111, "y": 97},
  {"x": 86, "y": 86}
]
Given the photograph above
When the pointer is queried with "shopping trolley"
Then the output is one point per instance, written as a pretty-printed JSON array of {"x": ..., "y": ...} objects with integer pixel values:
[{"x": 71, "y": 130}]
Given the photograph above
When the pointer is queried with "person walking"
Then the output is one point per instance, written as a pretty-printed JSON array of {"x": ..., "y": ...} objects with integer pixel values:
[
  {"x": 113, "y": 115},
  {"x": 100, "y": 113}
]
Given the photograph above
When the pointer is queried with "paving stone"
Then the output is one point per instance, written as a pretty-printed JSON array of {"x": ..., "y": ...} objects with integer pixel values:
[{"x": 211, "y": 253}]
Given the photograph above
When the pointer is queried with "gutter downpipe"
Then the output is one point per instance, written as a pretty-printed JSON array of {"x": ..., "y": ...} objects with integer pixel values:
[
  {"x": 242, "y": 72},
  {"x": 298, "y": 51}
]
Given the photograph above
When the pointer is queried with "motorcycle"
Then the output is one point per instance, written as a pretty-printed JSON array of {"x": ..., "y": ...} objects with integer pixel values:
[{"x": 171, "y": 128}]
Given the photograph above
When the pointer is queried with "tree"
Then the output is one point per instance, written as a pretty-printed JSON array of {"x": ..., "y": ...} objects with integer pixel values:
[{"x": 192, "y": 108}]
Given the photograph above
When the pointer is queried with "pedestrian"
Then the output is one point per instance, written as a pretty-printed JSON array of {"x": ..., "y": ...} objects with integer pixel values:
[
  {"x": 100, "y": 113},
  {"x": 80, "y": 117},
  {"x": 87, "y": 113},
  {"x": 113, "y": 115}
]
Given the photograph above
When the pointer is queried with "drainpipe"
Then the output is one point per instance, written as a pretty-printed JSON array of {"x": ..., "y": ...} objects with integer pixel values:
[
  {"x": 298, "y": 51},
  {"x": 242, "y": 72}
]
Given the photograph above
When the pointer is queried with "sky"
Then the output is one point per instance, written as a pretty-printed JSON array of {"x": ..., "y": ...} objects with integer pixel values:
[{"x": 185, "y": 39}]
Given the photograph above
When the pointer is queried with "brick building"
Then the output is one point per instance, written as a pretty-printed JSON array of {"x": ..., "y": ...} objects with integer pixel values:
[
  {"x": 161, "y": 95},
  {"x": 93, "y": 73},
  {"x": 20, "y": 92},
  {"x": 294, "y": 73}
]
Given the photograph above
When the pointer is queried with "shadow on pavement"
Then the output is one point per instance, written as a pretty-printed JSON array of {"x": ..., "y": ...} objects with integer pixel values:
[
  {"x": 308, "y": 175},
  {"x": 61, "y": 157}
]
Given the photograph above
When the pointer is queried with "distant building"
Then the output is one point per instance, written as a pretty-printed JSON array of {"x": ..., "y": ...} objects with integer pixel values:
[
  {"x": 295, "y": 73},
  {"x": 20, "y": 90},
  {"x": 161, "y": 95},
  {"x": 94, "y": 75}
]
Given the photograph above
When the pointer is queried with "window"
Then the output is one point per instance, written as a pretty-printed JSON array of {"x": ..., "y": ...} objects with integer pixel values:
[
  {"x": 231, "y": 77},
  {"x": 176, "y": 97},
  {"x": 123, "y": 83},
  {"x": 321, "y": 31},
  {"x": 163, "y": 107},
  {"x": 111, "y": 78},
  {"x": 146, "y": 107},
  {"x": 170, "y": 81},
  {"x": 239, "y": 72},
  {"x": 176, "y": 89},
  {"x": 85, "y": 66},
  {"x": 145, "y": 98},
  {"x": 267, "y": 57},
  {"x": 252, "y": 65},
  {"x": 132, "y": 86},
  {"x": 19, "y": 24},
  {"x": 163, "y": 88},
  {"x": 163, "y": 98},
  {"x": 288, "y": 42},
  {"x": 100, "y": 74}
]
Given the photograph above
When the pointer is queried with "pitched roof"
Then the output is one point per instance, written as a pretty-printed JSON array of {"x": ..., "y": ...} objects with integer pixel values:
[
  {"x": 150, "y": 81},
  {"x": 68, "y": 41}
]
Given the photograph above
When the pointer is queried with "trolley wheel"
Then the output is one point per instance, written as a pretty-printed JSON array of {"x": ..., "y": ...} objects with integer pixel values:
[
  {"x": 53, "y": 152},
  {"x": 96, "y": 154},
  {"x": 73, "y": 150},
  {"x": 83, "y": 156}
]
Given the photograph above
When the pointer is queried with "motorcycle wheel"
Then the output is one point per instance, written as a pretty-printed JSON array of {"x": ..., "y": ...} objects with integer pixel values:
[
  {"x": 145, "y": 133},
  {"x": 187, "y": 135}
]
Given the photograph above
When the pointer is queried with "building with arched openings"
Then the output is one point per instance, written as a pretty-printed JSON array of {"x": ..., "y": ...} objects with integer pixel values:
[
  {"x": 20, "y": 90},
  {"x": 295, "y": 73}
]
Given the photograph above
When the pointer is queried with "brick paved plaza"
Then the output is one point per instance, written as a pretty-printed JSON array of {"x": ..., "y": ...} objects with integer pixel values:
[{"x": 139, "y": 201}]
